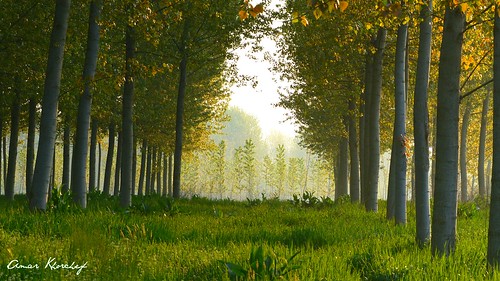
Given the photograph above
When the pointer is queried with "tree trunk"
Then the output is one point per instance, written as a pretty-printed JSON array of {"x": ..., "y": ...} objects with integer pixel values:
[
  {"x": 14, "y": 134},
  {"x": 341, "y": 182},
  {"x": 165, "y": 174},
  {"x": 4, "y": 156},
  {"x": 99, "y": 167},
  {"x": 148, "y": 170},
  {"x": 134, "y": 167},
  {"x": 463, "y": 153},
  {"x": 43, "y": 166},
  {"x": 494, "y": 221},
  {"x": 66, "y": 157},
  {"x": 179, "y": 116},
  {"x": 30, "y": 146},
  {"x": 153, "y": 170},
  {"x": 445, "y": 193},
  {"x": 482, "y": 147},
  {"x": 109, "y": 159},
  {"x": 78, "y": 179},
  {"x": 127, "y": 121},
  {"x": 391, "y": 188},
  {"x": 140, "y": 190},
  {"x": 353, "y": 151},
  {"x": 2, "y": 186},
  {"x": 92, "y": 156},
  {"x": 118, "y": 165},
  {"x": 400, "y": 126},
  {"x": 421, "y": 127},
  {"x": 374, "y": 123},
  {"x": 363, "y": 129},
  {"x": 169, "y": 174},
  {"x": 158, "y": 173}
]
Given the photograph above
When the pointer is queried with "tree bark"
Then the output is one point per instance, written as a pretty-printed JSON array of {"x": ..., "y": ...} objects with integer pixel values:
[
  {"x": 374, "y": 123},
  {"x": 158, "y": 173},
  {"x": 78, "y": 179},
  {"x": 421, "y": 127},
  {"x": 148, "y": 170},
  {"x": 14, "y": 134},
  {"x": 391, "y": 188},
  {"x": 493, "y": 255},
  {"x": 179, "y": 116},
  {"x": 30, "y": 146},
  {"x": 134, "y": 167},
  {"x": 445, "y": 192},
  {"x": 400, "y": 126},
  {"x": 165, "y": 174},
  {"x": 109, "y": 158},
  {"x": 44, "y": 163},
  {"x": 140, "y": 190},
  {"x": 482, "y": 147},
  {"x": 127, "y": 121},
  {"x": 463, "y": 153},
  {"x": 118, "y": 165},
  {"x": 353, "y": 151},
  {"x": 92, "y": 156},
  {"x": 170, "y": 174},
  {"x": 66, "y": 157},
  {"x": 153, "y": 170},
  {"x": 363, "y": 129},
  {"x": 342, "y": 168}
]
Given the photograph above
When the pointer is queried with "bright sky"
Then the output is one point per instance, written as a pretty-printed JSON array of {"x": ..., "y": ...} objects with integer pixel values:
[{"x": 259, "y": 101}]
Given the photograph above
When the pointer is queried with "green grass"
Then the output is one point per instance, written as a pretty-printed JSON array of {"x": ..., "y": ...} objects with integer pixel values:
[{"x": 158, "y": 239}]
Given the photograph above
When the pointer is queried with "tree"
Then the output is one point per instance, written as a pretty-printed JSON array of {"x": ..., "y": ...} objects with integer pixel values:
[
  {"x": 78, "y": 176},
  {"x": 482, "y": 147},
  {"x": 445, "y": 191},
  {"x": 493, "y": 254},
  {"x": 421, "y": 126},
  {"x": 463, "y": 152},
  {"x": 48, "y": 121}
]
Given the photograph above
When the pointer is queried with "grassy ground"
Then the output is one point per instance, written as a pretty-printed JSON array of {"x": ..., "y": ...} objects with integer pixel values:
[{"x": 199, "y": 239}]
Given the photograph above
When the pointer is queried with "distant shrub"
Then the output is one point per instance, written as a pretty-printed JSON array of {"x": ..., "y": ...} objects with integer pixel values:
[{"x": 60, "y": 201}]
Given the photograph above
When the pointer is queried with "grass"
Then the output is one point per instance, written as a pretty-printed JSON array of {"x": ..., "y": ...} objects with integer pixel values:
[{"x": 158, "y": 239}]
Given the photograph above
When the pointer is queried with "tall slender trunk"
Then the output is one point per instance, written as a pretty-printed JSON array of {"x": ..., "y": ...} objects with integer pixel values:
[
  {"x": 400, "y": 126},
  {"x": 127, "y": 121},
  {"x": 148, "y": 169},
  {"x": 421, "y": 127},
  {"x": 374, "y": 123},
  {"x": 364, "y": 129},
  {"x": 66, "y": 157},
  {"x": 391, "y": 188},
  {"x": 353, "y": 151},
  {"x": 342, "y": 170},
  {"x": 445, "y": 193},
  {"x": 165, "y": 174},
  {"x": 170, "y": 174},
  {"x": 158, "y": 173},
  {"x": 92, "y": 156},
  {"x": 134, "y": 167},
  {"x": 118, "y": 165},
  {"x": 30, "y": 146},
  {"x": 109, "y": 158},
  {"x": 44, "y": 163},
  {"x": 15, "y": 112},
  {"x": 463, "y": 153},
  {"x": 494, "y": 221},
  {"x": 482, "y": 147},
  {"x": 99, "y": 167},
  {"x": 153, "y": 170},
  {"x": 1, "y": 152},
  {"x": 179, "y": 116},
  {"x": 4, "y": 156},
  {"x": 140, "y": 190},
  {"x": 78, "y": 179}
]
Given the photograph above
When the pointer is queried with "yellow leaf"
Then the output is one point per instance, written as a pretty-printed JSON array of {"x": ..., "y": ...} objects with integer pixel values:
[
  {"x": 304, "y": 21},
  {"x": 317, "y": 13},
  {"x": 368, "y": 26},
  {"x": 259, "y": 8},
  {"x": 331, "y": 5},
  {"x": 464, "y": 7},
  {"x": 343, "y": 5},
  {"x": 295, "y": 17},
  {"x": 243, "y": 15}
]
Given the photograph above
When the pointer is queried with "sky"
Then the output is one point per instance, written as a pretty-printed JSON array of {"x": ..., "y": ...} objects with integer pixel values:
[{"x": 260, "y": 101}]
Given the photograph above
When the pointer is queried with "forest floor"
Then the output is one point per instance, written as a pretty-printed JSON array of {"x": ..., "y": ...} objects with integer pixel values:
[{"x": 201, "y": 239}]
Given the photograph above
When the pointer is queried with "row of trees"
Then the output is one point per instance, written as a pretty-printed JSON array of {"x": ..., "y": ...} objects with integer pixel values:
[
  {"x": 153, "y": 73},
  {"x": 353, "y": 74}
]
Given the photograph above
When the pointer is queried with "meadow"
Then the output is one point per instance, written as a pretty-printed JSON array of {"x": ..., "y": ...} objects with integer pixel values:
[{"x": 200, "y": 239}]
